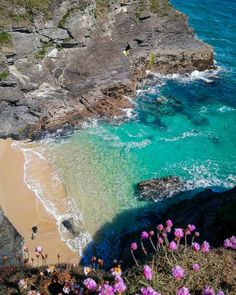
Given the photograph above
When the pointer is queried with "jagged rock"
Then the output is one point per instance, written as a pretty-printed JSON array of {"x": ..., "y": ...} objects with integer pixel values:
[
  {"x": 24, "y": 43},
  {"x": 57, "y": 35},
  {"x": 10, "y": 241},
  {"x": 160, "y": 188},
  {"x": 91, "y": 76}
]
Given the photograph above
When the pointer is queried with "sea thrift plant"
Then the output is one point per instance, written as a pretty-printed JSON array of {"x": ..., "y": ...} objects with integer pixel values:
[
  {"x": 144, "y": 235},
  {"x": 134, "y": 246},
  {"x": 169, "y": 223},
  {"x": 196, "y": 246},
  {"x": 147, "y": 272},
  {"x": 178, "y": 272},
  {"x": 183, "y": 291},
  {"x": 205, "y": 247},
  {"x": 90, "y": 284},
  {"x": 149, "y": 291},
  {"x": 172, "y": 246},
  {"x": 179, "y": 233},
  {"x": 208, "y": 291},
  {"x": 196, "y": 267},
  {"x": 119, "y": 285}
]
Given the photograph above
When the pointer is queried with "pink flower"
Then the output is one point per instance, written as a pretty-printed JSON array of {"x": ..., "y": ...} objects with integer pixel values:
[
  {"x": 147, "y": 272},
  {"x": 191, "y": 227},
  {"x": 197, "y": 234},
  {"x": 173, "y": 246},
  {"x": 160, "y": 227},
  {"x": 220, "y": 293},
  {"x": 90, "y": 284},
  {"x": 169, "y": 223},
  {"x": 106, "y": 289},
  {"x": 178, "y": 272},
  {"x": 208, "y": 291},
  {"x": 205, "y": 247},
  {"x": 149, "y": 291},
  {"x": 119, "y": 285},
  {"x": 144, "y": 235},
  {"x": 179, "y": 233},
  {"x": 160, "y": 240},
  {"x": 196, "y": 267},
  {"x": 164, "y": 235},
  {"x": 151, "y": 233},
  {"x": 168, "y": 229},
  {"x": 134, "y": 246},
  {"x": 196, "y": 246},
  {"x": 227, "y": 243},
  {"x": 233, "y": 242},
  {"x": 183, "y": 291},
  {"x": 39, "y": 249}
]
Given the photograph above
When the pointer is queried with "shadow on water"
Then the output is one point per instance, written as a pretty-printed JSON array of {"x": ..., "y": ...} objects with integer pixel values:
[{"x": 106, "y": 242}]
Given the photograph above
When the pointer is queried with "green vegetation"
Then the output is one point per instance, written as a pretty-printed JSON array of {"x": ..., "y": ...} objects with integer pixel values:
[
  {"x": 21, "y": 11},
  {"x": 42, "y": 52},
  {"x": 5, "y": 38},
  {"x": 4, "y": 75},
  {"x": 101, "y": 7},
  {"x": 152, "y": 60},
  {"x": 62, "y": 22},
  {"x": 161, "y": 7}
]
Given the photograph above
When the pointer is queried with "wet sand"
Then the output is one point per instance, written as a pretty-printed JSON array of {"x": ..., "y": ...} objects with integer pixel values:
[{"x": 23, "y": 209}]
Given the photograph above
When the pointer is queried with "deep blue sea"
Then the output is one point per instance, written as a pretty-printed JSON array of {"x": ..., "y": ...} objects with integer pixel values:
[{"x": 191, "y": 135}]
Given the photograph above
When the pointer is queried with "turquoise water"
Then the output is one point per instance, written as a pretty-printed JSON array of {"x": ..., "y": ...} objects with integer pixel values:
[{"x": 191, "y": 134}]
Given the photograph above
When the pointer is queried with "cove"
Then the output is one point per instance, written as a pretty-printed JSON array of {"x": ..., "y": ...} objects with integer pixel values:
[{"x": 180, "y": 125}]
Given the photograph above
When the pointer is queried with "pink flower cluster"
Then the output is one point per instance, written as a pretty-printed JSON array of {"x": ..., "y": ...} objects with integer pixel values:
[
  {"x": 205, "y": 247},
  {"x": 149, "y": 291},
  {"x": 230, "y": 243}
]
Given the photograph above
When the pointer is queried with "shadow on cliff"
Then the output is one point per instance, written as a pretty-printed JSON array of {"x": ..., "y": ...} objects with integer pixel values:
[{"x": 212, "y": 212}]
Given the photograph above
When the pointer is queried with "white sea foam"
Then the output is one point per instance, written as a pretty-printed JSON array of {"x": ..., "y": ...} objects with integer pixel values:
[
  {"x": 207, "y": 76},
  {"x": 192, "y": 133},
  {"x": 225, "y": 109},
  {"x": 70, "y": 210}
]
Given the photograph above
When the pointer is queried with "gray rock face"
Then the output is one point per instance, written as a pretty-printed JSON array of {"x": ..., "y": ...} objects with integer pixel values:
[
  {"x": 71, "y": 67},
  {"x": 10, "y": 240},
  {"x": 160, "y": 188},
  {"x": 25, "y": 43}
]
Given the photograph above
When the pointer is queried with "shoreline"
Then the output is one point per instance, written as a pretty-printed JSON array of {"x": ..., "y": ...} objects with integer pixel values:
[{"x": 24, "y": 210}]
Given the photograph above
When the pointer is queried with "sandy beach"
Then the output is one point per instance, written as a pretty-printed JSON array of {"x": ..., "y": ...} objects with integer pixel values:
[{"x": 23, "y": 209}]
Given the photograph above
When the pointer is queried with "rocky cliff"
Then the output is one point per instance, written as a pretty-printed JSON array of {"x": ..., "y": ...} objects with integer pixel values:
[
  {"x": 10, "y": 241},
  {"x": 63, "y": 61}
]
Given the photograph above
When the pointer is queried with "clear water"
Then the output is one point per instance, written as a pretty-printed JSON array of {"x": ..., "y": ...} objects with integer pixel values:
[{"x": 192, "y": 135}]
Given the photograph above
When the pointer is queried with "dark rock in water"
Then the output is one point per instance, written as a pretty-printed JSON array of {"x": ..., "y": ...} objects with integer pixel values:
[
  {"x": 10, "y": 241},
  {"x": 160, "y": 188},
  {"x": 71, "y": 226}
]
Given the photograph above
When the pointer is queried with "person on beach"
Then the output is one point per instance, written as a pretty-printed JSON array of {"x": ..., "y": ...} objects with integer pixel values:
[{"x": 34, "y": 232}]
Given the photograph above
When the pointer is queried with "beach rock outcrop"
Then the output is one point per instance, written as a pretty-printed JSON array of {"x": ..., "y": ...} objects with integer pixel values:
[
  {"x": 10, "y": 241},
  {"x": 67, "y": 59},
  {"x": 160, "y": 188}
]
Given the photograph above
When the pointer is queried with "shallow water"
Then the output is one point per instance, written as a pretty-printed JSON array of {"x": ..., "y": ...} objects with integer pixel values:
[{"x": 191, "y": 134}]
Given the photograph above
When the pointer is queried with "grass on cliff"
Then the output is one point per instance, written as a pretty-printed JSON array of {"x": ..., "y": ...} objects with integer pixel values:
[
  {"x": 167, "y": 261},
  {"x": 21, "y": 11}
]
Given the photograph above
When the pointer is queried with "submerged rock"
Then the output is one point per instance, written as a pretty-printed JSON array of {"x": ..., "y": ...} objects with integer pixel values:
[{"x": 160, "y": 188}]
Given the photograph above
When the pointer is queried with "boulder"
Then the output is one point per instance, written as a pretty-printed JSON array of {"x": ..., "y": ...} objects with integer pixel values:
[{"x": 160, "y": 188}]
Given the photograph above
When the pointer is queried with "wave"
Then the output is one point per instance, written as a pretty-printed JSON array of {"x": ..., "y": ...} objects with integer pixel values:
[
  {"x": 192, "y": 133},
  {"x": 59, "y": 209},
  {"x": 225, "y": 109},
  {"x": 207, "y": 76}
]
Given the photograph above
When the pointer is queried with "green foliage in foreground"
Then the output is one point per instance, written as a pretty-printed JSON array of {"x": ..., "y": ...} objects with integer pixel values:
[
  {"x": 217, "y": 270},
  {"x": 152, "y": 60}
]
